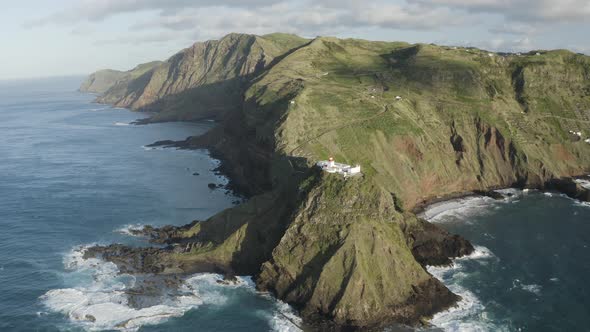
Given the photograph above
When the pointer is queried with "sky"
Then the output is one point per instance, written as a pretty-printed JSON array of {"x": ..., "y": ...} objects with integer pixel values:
[{"x": 42, "y": 38}]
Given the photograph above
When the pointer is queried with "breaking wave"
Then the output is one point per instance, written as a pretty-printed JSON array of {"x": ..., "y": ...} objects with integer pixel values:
[
  {"x": 130, "y": 228},
  {"x": 584, "y": 183},
  {"x": 98, "y": 297},
  {"x": 463, "y": 208},
  {"x": 469, "y": 314}
]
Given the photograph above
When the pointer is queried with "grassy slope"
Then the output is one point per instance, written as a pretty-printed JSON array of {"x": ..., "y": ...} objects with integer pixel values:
[
  {"x": 466, "y": 121},
  {"x": 406, "y": 145},
  {"x": 101, "y": 81},
  {"x": 204, "y": 80},
  {"x": 341, "y": 249}
]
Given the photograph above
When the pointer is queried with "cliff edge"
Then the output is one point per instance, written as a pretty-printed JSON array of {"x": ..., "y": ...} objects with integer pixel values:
[{"x": 423, "y": 121}]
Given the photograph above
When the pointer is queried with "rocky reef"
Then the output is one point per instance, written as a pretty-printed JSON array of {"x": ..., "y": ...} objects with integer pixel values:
[{"x": 425, "y": 122}]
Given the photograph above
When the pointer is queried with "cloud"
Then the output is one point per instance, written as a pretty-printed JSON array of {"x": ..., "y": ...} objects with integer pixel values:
[
  {"x": 522, "y": 10},
  {"x": 303, "y": 17},
  {"x": 513, "y": 45},
  {"x": 515, "y": 22},
  {"x": 514, "y": 29},
  {"x": 134, "y": 39},
  {"x": 98, "y": 10}
]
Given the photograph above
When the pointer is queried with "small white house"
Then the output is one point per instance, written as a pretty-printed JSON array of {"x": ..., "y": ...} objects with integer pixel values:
[
  {"x": 587, "y": 140},
  {"x": 292, "y": 102},
  {"x": 398, "y": 98},
  {"x": 490, "y": 54}
]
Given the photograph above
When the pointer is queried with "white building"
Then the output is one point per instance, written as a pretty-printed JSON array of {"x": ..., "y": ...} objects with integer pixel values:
[{"x": 345, "y": 170}]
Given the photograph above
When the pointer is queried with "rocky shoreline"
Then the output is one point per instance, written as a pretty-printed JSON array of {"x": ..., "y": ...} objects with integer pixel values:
[
  {"x": 430, "y": 245},
  {"x": 350, "y": 253}
]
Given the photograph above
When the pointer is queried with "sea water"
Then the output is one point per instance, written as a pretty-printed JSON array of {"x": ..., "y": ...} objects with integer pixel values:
[
  {"x": 74, "y": 173},
  {"x": 530, "y": 269}
]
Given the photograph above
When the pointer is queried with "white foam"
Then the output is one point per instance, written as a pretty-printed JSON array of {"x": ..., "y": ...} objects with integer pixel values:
[
  {"x": 97, "y": 299},
  {"x": 469, "y": 314},
  {"x": 457, "y": 208},
  {"x": 511, "y": 191},
  {"x": 465, "y": 208},
  {"x": 128, "y": 229},
  {"x": 582, "y": 204},
  {"x": 479, "y": 252},
  {"x": 121, "y": 124},
  {"x": 283, "y": 318},
  {"x": 533, "y": 288},
  {"x": 150, "y": 148},
  {"x": 584, "y": 183}
]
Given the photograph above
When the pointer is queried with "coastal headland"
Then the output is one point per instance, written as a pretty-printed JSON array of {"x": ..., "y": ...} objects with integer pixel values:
[{"x": 424, "y": 122}]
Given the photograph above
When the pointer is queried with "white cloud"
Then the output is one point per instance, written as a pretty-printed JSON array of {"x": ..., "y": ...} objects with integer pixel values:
[
  {"x": 150, "y": 38},
  {"x": 98, "y": 10},
  {"x": 514, "y": 29},
  {"x": 516, "y": 22},
  {"x": 525, "y": 10}
]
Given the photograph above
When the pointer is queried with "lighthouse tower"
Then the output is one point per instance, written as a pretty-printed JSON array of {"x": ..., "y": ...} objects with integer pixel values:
[{"x": 330, "y": 162}]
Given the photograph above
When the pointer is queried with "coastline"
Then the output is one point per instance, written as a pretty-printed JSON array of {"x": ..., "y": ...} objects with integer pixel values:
[
  {"x": 562, "y": 185},
  {"x": 227, "y": 169},
  {"x": 105, "y": 297}
]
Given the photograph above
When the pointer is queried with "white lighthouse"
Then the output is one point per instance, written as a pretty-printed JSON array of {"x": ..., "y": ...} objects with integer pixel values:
[{"x": 331, "y": 166}]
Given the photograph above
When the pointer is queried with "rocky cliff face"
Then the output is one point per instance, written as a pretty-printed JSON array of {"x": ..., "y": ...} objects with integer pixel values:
[
  {"x": 205, "y": 80},
  {"x": 347, "y": 252},
  {"x": 103, "y": 81}
]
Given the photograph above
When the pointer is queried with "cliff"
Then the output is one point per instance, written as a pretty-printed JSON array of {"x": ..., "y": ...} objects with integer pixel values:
[
  {"x": 205, "y": 80},
  {"x": 349, "y": 252},
  {"x": 102, "y": 81}
]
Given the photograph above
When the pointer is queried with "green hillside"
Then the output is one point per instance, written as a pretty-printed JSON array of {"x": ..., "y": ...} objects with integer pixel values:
[{"x": 423, "y": 121}]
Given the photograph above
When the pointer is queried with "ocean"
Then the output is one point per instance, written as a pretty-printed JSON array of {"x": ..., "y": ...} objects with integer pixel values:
[
  {"x": 530, "y": 268},
  {"x": 74, "y": 174}
]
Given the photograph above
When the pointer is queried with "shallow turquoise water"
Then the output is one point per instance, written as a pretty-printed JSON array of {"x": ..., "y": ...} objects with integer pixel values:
[{"x": 73, "y": 173}]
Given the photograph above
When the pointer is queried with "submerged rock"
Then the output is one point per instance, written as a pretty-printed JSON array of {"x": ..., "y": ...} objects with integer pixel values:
[{"x": 569, "y": 187}]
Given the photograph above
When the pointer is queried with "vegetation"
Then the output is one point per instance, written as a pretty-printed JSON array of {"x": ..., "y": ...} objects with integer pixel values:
[{"x": 345, "y": 250}]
